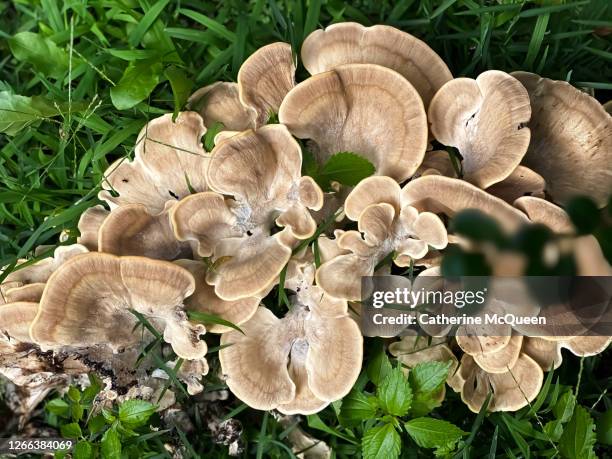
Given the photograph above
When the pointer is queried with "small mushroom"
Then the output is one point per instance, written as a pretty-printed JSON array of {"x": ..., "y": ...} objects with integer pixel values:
[
  {"x": 512, "y": 390},
  {"x": 362, "y": 108},
  {"x": 205, "y": 300},
  {"x": 521, "y": 182},
  {"x": 545, "y": 352},
  {"x": 571, "y": 144},
  {"x": 484, "y": 119},
  {"x": 261, "y": 171},
  {"x": 501, "y": 360},
  {"x": 169, "y": 164},
  {"x": 265, "y": 78},
  {"x": 220, "y": 102},
  {"x": 87, "y": 302},
  {"x": 546, "y": 213},
  {"x": 385, "y": 225},
  {"x": 132, "y": 230},
  {"x": 298, "y": 364},
  {"x": 89, "y": 224},
  {"x": 352, "y": 43},
  {"x": 436, "y": 193}
]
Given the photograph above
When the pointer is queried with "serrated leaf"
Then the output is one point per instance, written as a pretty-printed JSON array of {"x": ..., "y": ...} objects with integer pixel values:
[
  {"x": 433, "y": 433},
  {"x": 356, "y": 406},
  {"x": 379, "y": 366},
  {"x": 346, "y": 168},
  {"x": 82, "y": 450},
  {"x": 111, "y": 445},
  {"x": 138, "y": 81},
  {"x": 96, "y": 424},
  {"x": 134, "y": 413},
  {"x": 41, "y": 52},
  {"x": 91, "y": 391},
  {"x": 578, "y": 437},
  {"x": 382, "y": 442},
  {"x": 394, "y": 393},
  {"x": 428, "y": 377},
  {"x": 74, "y": 394},
  {"x": 181, "y": 86},
  {"x": 72, "y": 430}
]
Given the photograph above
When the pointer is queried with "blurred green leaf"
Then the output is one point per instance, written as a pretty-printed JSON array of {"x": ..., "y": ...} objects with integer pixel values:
[
  {"x": 135, "y": 413},
  {"x": 584, "y": 214},
  {"x": 111, "y": 445},
  {"x": 41, "y": 52},
  {"x": 578, "y": 437},
  {"x": 136, "y": 84},
  {"x": 72, "y": 430},
  {"x": 181, "y": 86}
]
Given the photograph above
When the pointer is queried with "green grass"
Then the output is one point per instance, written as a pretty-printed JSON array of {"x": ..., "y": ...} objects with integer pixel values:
[{"x": 91, "y": 73}]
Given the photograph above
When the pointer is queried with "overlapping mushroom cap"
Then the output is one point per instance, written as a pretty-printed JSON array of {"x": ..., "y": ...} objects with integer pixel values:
[
  {"x": 512, "y": 389},
  {"x": 361, "y": 108},
  {"x": 297, "y": 364},
  {"x": 352, "y": 43},
  {"x": 88, "y": 301},
  {"x": 571, "y": 144},
  {"x": 385, "y": 224},
  {"x": 263, "y": 81},
  {"x": 169, "y": 162},
  {"x": 484, "y": 119},
  {"x": 261, "y": 171}
]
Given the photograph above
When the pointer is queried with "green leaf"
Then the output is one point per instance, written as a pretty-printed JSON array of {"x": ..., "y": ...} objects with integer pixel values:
[
  {"x": 74, "y": 394},
  {"x": 136, "y": 84},
  {"x": 315, "y": 422},
  {"x": 96, "y": 424},
  {"x": 433, "y": 433},
  {"x": 111, "y": 445},
  {"x": 564, "y": 408},
  {"x": 382, "y": 442},
  {"x": 428, "y": 377},
  {"x": 394, "y": 393},
  {"x": 72, "y": 430},
  {"x": 18, "y": 112},
  {"x": 41, "y": 52},
  {"x": 108, "y": 416},
  {"x": 82, "y": 450},
  {"x": 58, "y": 407},
  {"x": 76, "y": 410},
  {"x": 584, "y": 214},
  {"x": 604, "y": 428},
  {"x": 211, "y": 132},
  {"x": 578, "y": 438},
  {"x": 181, "y": 87},
  {"x": 211, "y": 24},
  {"x": 379, "y": 366},
  {"x": 357, "y": 406},
  {"x": 134, "y": 413},
  {"x": 476, "y": 226},
  {"x": 346, "y": 168}
]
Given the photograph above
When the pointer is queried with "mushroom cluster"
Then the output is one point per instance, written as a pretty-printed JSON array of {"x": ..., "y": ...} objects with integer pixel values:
[{"x": 215, "y": 232}]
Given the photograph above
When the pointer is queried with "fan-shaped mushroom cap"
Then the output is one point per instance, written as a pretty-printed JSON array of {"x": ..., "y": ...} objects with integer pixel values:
[
  {"x": 521, "y": 182},
  {"x": 297, "y": 364},
  {"x": 220, "y": 102},
  {"x": 132, "y": 230},
  {"x": 436, "y": 193},
  {"x": 29, "y": 293},
  {"x": 546, "y": 213},
  {"x": 586, "y": 346},
  {"x": 205, "y": 300},
  {"x": 608, "y": 107},
  {"x": 89, "y": 224},
  {"x": 352, "y": 43},
  {"x": 87, "y": 302},
  {"x": 545, "y": 352},
  {"x": 15, "y": 320},
  {"x": 483, "y": 119},
  {"x": 265, "y": 78},
  {"x": 363, "y": 108},
  {"x": 502, "y": 360},
  {"x": 437, "y": 162},
  {"x": 481, "y": 344},
  {"x": 261, "y": 170},
  {"x": 40, "y": 271},
  {"x": 384, "y": 225},
  {"x": 571, "y": 143},
  {"x": 512, "y": 390},
  {"x": 329, "y": 248},
  {"x": 169, "y": 162}
]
